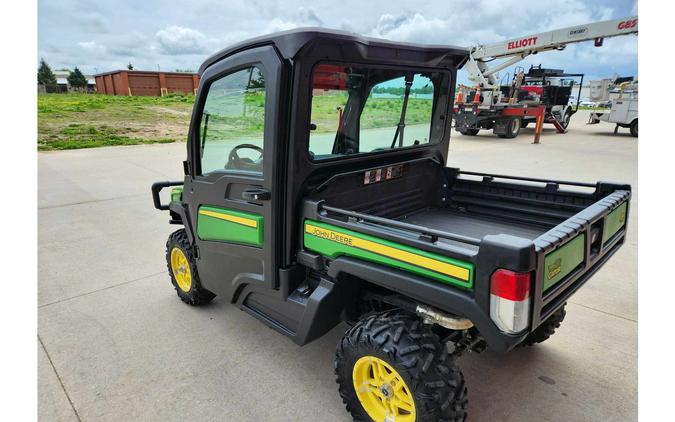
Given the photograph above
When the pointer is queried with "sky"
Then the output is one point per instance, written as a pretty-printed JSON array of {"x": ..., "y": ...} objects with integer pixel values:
[{"x": 104, "y": 35}]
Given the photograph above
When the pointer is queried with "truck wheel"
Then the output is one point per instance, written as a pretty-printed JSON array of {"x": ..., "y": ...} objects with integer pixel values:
[
  {"x": 634, "y": 128},
  {"x": 546, "y": 329},
  {"x": 512, "y": 129},
  {"x": 566, "y": 119},
  {"x": 390, "y": 366},
  {"x": 469, "y": 132},
  {"x": 183, "y": 270}
]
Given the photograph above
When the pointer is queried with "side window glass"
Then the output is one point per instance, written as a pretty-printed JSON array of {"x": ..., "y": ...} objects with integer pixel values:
[{"x": 232, "y": 127}]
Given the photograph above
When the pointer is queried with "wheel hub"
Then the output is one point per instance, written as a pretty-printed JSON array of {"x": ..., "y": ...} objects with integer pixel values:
[
  {"x": 181, "y": 269},
  {"x": 387, "y": 391},
  {"x": 382, "y": 391}
]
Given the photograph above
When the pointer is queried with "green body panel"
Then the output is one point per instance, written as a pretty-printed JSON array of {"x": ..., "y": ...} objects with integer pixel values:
[
  {"x": 212, "y": 228},
  {"x": 562, "y": 261},
  {"x": 614, "y": 221},
  {"x": 177, "y": 194},
  {"x": 335, "y": 249}
]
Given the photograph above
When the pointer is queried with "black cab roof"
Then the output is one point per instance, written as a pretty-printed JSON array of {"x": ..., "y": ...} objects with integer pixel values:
[{"x": 291, "y": 44}]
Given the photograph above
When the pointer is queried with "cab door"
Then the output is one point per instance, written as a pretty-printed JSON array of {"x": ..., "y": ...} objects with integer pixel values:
[{"x": 230, "y": 192}]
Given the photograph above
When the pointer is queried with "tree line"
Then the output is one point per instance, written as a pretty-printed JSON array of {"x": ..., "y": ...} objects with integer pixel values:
[
  {"x": 47, "y": 78},
  {"x": 395, "y": 90}
]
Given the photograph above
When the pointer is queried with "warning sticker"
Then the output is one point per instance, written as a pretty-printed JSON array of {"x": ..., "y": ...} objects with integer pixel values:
[{"x": 382, "y": 174}]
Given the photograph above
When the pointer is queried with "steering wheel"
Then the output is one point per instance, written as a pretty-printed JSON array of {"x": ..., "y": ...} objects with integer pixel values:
[{"x": 238, "y": 163}]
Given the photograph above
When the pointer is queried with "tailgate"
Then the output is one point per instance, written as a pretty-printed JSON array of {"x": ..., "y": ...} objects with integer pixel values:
[{"x": 570, "y": 253}]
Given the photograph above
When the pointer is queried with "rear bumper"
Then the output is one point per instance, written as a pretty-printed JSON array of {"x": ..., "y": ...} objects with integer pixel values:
[
  {"x": 470, "y": 116},
  {"x": 589, "y": 223}
]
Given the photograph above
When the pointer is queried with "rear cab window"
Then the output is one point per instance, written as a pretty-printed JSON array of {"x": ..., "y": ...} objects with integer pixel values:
[{"x": 357, "y": 109}]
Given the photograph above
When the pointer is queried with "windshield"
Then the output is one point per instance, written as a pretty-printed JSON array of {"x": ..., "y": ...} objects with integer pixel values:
[{"x": 358, "y": 109}]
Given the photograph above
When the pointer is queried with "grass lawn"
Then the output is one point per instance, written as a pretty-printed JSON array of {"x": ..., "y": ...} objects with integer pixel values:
[{"x": 71, "y": 121}]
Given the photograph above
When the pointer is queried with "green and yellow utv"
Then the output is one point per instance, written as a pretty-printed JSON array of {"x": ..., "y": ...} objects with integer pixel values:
[{"x": 316, "y": 191}]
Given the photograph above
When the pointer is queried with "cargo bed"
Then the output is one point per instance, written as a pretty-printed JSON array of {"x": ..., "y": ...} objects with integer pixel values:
[
  {"x": 472, "y": 225},
  {"x": 561, "y": 231}
]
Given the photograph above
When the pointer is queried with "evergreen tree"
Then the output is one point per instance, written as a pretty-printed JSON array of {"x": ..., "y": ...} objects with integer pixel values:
[
  {"x": 130, "y": 66},
  {"x": 76, "y": 79},
  {"x": 45, "y": 75}
]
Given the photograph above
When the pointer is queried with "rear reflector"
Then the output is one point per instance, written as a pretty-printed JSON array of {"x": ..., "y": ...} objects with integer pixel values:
[{"x": 510, "y": 300}]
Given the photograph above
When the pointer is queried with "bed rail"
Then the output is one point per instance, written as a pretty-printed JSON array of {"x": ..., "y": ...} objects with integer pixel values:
[{"x": 426, "y": 233}]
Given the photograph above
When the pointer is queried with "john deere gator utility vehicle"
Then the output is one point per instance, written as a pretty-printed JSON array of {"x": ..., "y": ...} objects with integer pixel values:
[{"x": 316, "y": 191}]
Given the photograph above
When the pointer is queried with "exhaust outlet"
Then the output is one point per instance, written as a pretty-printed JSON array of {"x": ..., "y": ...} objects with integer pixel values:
[{"x": 433, "y": 316}]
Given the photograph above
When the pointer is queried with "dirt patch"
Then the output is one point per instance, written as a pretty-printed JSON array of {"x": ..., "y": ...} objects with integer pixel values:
[
  {"x": 169, "y": 110},
  {"x": 67, "y": 121}
]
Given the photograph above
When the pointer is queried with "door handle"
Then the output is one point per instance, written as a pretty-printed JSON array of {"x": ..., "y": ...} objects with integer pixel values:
[{"x": 256, "y": 194}]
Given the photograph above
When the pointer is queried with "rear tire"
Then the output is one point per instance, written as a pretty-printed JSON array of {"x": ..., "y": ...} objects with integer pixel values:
[
  {"x": 546, "y": 329},
  {"x": 418, "y": 365},
  {"x": 634, "y": 128},
  {"x": 512, "y": 129},
  {"x": 183, "y": 270}
]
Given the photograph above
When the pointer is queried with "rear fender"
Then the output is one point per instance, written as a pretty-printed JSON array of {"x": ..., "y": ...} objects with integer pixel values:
[{"x": 444, "y": 297}]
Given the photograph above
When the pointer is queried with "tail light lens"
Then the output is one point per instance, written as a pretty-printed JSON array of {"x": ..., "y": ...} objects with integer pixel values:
[{"x": 510, "y": 300}]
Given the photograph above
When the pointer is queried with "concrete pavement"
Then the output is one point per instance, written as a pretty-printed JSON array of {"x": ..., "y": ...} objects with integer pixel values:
[{"x": 115, "y": 343}]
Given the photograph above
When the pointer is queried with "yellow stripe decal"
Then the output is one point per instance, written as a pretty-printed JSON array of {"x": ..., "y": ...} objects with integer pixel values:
[
  {"x": 388, "y": 251},
  {"x": 233, "y": 218}
]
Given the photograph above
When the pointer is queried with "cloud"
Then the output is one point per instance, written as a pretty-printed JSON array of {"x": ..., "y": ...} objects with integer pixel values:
[
  {"x": 130, "y": 45},
  {"x": 414, "y": 28},
  {"x": 91, "y": 45},
  {"x": 108, "y": 34},
  {"x": 92, "y": 22},
  {"x": 176, "y": 40},
  {"x": 309, "y": 17},
  {"x": 419, "y": 28},
  {"x": 301, "y": 17}
]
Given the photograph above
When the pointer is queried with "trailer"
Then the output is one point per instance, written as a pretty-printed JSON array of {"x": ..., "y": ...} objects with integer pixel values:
[{"x": 491, "y": 105}]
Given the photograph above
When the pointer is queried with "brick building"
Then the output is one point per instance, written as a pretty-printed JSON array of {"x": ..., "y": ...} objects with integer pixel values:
[{"x": 141, "y": 82}]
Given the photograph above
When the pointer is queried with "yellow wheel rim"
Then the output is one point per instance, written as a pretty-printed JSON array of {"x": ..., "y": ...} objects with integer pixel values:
[
  {"x": 181, "y": 269},
  {"x": 382, "y": 392}
]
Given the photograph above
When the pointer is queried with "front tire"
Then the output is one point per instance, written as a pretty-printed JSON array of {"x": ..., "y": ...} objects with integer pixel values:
[
  {"x": 566, "y": 119},
  {"x": 183, "y": 270},
  {"x": 390, "y": 364}
]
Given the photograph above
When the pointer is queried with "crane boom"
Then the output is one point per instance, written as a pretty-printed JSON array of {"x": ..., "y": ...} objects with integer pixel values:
[{"x": 517, "y": 49}]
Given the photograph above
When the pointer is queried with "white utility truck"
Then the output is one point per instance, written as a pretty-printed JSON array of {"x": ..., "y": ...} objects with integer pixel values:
[{"x": 623, "y": 110}]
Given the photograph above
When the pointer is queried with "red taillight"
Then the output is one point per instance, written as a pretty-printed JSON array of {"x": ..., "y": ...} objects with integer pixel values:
[
  {"x": 510, "y": 285},
  {"x": 510, "y": 300}
]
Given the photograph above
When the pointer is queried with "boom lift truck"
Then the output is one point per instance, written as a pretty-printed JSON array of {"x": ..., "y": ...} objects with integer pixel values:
[
  {"x": 623, "y": 110},
  {"x": 489, "y": 106}
]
